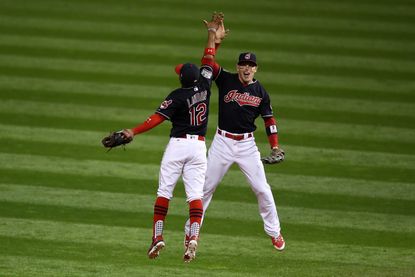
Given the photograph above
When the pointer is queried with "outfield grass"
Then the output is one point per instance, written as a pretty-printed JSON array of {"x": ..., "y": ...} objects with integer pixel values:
[{"x": 341, "y": 80}]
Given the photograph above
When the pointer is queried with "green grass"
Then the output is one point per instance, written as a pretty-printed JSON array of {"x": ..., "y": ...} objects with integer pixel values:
[{"x": 340, "y": 76}]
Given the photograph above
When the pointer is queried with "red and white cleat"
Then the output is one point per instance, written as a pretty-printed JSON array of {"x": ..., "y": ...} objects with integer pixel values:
[
  {"x": 278, "y": 242},
  {"x": 190, "y": 253},
  {"x": 155, "y": 247}
]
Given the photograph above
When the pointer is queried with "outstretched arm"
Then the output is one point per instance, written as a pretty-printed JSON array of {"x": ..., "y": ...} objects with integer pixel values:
[
  {"x": 151, "y": 122},
  {"x": 125, "y": 136},
  {"x": 212, "y": 27},
  {"x": 216, "y": 33}
]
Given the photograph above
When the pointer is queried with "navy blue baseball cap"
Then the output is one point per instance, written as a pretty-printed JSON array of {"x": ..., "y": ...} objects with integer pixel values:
[
  {"x": 189, "y": 73},
  {"x": 247, "y": 57}
]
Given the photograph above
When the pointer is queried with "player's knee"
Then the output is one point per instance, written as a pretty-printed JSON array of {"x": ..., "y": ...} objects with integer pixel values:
[
  {"x": 165, "y": 194},
  {"x": 193, "y": 198},
  {"x": 262, "y": 192}
]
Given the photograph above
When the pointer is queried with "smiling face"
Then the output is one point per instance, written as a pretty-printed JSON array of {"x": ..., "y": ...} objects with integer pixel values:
[{"x": 246, "y": 72}]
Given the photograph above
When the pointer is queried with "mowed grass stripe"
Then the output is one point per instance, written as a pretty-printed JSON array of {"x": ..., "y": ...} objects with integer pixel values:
[
  {"x": 320, "y": 162},
  {"x": 346, "y": 158},
  {"x": 16, "y": 84},
  {"x": 323, "y": 9},
  {"x": 170, "y": 80},
  {"x": 375, "y": 136},
  {"x": 68, "y": 110},
  {"x": 135, "y": 263},
  {"x": 144, "y": 203},
  {"x": 99, "y": 77},
  {"x": 125, "y": 33},
  {"x": 109, "y": 217},
  {"x": 36, "y": 85},
  {"x": 144, "y": 99},
  {"x": 314, "y": 65},
  {"x": 307, "y": 21},
  {"x": 147, "y": 172},
  {"x": 138, "y": 238},
  {"x": 117, "y": 71},
  {"x": 233, "y": 183},
  {"x": 18, "y": 264},
  {"x": 141, "y": 53},
  {"x": 131, "y": 52},
  {"x": 342, "y": 130},
  {"x": 330, "y": 29},
  {"x": 147, "y": 141},
  {"x": 23, "y": 265},
  {"x": 89, "y": 66}
]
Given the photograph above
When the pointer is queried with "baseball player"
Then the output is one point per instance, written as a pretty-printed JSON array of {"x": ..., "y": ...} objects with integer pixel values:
[
  {"x": 241, "y": 100},
  {"x": 185, "y": 155}
]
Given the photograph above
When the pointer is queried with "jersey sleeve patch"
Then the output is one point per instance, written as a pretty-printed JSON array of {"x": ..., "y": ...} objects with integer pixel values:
[
  {"x": 165, "y": 104},
  {"x": 206, "y": 73}
]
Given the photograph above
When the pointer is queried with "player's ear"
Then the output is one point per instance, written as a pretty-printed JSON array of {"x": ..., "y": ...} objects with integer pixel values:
[{"x": 254, "y": 69}]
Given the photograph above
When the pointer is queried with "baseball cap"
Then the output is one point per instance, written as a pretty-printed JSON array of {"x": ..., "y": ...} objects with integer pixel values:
[
  {"x": 189, "y": 73},
  {"x": 247, "y": 57}
]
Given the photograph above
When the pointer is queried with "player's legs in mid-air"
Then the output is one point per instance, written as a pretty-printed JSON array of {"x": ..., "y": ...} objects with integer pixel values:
[
  {"x": 250, "y": 164},
  {"x": 194, "y": 170},
  {"x": 218, "y": 162},
  {"x": 170, "y": 171}
]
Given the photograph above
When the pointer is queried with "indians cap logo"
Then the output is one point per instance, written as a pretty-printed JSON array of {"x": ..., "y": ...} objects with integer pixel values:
[
  {"x": 242, "y": 98},
  {"x": 248, "y": 56},
  {"x": 165, "y": 104}
]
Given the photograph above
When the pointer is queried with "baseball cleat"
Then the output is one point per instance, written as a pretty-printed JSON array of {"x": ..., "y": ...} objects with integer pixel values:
[
  {"x": 278, "y": 242},
  {"x": 155, "y": 248},
  {"x": 190, "y": 253}
]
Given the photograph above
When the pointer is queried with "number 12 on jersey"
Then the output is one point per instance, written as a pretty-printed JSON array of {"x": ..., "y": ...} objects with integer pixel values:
[{"x": 198, "y": 114}]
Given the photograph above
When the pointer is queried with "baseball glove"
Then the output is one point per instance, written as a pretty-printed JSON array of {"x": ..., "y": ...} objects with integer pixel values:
[
  {"x": 116, "y": 139},
  {"x": 277, "y": 155}
]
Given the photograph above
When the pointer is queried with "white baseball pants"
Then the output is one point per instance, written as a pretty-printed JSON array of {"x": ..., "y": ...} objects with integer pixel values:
[
  {"x": 184, "y": 157},
  {"x": 223, "y": 152}
]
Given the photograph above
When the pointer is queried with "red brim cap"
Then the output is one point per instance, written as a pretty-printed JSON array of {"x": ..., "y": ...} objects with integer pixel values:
[{"x": 178, "y": 68}]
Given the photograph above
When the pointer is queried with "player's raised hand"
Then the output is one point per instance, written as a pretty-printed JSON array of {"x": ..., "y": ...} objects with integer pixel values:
[
  {"x": 217, "y": 24},
  {"x": 218, "y": 17},
  {"x": 221, "y": 32},
  {"x": 214, "y": 23}
]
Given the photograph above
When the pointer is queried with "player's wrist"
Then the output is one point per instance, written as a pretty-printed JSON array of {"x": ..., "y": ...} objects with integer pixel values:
[{"x": 210, "y": 51}]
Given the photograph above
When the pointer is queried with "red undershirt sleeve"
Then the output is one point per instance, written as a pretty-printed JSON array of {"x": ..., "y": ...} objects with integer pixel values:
[
  {"x": 272, "y": 132},
  {"x": 150, "y": 123}
]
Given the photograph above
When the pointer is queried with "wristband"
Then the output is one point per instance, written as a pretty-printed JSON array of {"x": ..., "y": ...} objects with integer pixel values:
[
  {"x": 210, "y": 51},
  {"x": 272, "y": 129},
  {"x": 211, "y": 29}
]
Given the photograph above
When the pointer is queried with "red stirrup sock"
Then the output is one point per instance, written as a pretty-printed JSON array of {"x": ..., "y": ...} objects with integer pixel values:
[
  {"x": 160, "y": 211},
  {"x": 196, "y": 213}
]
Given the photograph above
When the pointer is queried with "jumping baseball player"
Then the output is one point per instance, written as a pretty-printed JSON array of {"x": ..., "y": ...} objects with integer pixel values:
[
  {"x": 185, "y": 155},
  {"x": 241, "y": 100}
]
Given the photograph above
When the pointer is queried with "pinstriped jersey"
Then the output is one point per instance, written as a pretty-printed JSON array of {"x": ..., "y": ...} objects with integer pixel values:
[
  {"x": 188, "y": 108},
  {"x": 240, "y": 105}
]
